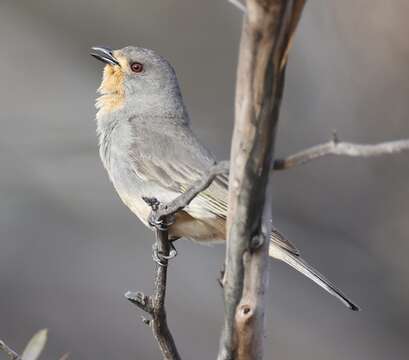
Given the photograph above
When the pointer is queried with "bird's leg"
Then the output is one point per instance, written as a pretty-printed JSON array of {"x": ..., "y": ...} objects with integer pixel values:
[
  {"x": 153, "y": 219},
  {"x": 160, "y": 223}
]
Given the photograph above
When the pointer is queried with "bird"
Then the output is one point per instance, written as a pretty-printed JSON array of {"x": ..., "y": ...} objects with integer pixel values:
[{"x": 149, "y": 150}]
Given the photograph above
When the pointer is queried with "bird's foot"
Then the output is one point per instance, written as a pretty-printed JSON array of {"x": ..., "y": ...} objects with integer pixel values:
[
  {"x": 156, "y": 219},
  {"x": 160, "y": 258}
]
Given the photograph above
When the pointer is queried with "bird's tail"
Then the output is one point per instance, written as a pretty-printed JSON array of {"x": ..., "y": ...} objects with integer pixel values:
[{"x": 304, "y": 268}]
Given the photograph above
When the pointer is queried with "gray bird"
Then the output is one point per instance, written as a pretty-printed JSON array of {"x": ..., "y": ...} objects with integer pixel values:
[{"x": 149, "y": 150}]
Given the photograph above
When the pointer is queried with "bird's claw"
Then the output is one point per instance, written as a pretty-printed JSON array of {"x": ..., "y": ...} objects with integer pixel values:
[
  {"x": 172, "y": 253},
  {"x": 161, "y": 259},
  {"x": 159, "y": 223},
  {"x": 158, "y": 257},
  {"x": 156, "y": 222},
  {"x": 157, "y": 219}
]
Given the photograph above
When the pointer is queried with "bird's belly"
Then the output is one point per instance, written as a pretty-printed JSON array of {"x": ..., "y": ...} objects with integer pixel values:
[
  {"x": 204, "y": 230},
  {"x": 132, "y": 189},
  {"x": 200, "y": 229}
]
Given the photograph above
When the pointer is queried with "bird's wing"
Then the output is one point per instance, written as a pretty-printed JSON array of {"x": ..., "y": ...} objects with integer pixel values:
[
  {"x": 174, "y": 160},
  {"x": 170, "y": 157},
  {"x": 214, "y": 198}
]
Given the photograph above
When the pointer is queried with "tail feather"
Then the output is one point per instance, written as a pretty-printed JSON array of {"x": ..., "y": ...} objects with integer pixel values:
[{"x": 304, "y": 268}]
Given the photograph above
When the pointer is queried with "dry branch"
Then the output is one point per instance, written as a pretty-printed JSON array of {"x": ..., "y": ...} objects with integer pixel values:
[
  {"x": 267, "y": 32},
  {"x": 154, "y": 305},
  {"x": 336, "y": 147},
  {"x": 9, "y": 351}
]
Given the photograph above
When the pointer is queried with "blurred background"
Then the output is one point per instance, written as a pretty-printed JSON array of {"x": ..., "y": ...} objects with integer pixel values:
[{"x": 69, "y": 249}]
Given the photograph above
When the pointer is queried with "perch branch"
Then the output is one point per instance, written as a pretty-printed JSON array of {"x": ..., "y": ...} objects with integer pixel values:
[
  {"x": 154, "y": 305},
  {"x": 267, "y": 32},
  {"x": 336, "y": 147},
  {"x": 8, "y": 351},
  {"x": 159, "y": 325}
]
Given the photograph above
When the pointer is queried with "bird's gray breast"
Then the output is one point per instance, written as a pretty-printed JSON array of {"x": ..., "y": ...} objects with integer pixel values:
[{"x": 132, "y": 156}]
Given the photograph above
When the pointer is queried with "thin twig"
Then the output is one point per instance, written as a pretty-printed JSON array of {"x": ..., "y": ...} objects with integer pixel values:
[
  {"x": 9, "y": 351},
  {"x": 159, "y": 321},
  {"x": 335, "y": 147},
  {"x": 154, "y": 305},
  {"x": 238, "y": 5}
]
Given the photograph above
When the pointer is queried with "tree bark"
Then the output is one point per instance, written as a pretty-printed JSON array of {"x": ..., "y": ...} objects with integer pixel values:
[{"x": 268, "y": 27}]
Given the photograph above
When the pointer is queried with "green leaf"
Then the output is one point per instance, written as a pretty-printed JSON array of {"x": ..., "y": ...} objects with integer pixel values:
[{"x": 35, "y": 346}]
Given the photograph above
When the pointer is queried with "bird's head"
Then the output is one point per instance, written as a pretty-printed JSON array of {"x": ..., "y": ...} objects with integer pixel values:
[{"x": 135, "y": 76}]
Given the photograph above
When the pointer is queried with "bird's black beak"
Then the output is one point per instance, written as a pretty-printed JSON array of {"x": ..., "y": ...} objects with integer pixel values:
[{"x": 105, "y": 55}]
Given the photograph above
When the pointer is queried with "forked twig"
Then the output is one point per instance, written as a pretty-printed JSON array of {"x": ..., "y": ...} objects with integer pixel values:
[
  {"x": 335, "y": 147},
  {"x": 9, "y": 351},
  {"x": 154, "y": 305}
]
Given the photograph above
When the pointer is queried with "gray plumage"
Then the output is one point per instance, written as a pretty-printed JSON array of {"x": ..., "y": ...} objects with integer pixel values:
[{"x": 149, "y": 150}]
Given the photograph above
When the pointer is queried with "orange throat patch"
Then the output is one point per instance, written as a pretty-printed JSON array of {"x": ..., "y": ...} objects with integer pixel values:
[{"x": 112, "y": 90}]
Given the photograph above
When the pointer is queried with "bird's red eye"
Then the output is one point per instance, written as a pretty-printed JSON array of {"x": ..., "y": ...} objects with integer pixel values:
[{"x": 136, "y": 67}]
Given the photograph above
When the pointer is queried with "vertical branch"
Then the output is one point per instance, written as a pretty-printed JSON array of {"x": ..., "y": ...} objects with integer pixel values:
[
  {"x": 159, "y": 324},
  {"x": 266, "y": 35},
  {"x": 154, "y": 305}
]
